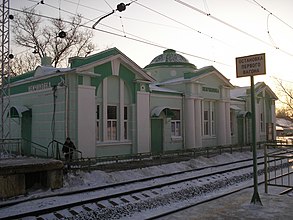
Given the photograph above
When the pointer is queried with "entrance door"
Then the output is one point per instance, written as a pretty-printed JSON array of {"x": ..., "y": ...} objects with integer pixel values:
[
  {"x": 240, "y": 131},
  {"x": 26, "y": 131},
  {"x": 157, "y": 136}
]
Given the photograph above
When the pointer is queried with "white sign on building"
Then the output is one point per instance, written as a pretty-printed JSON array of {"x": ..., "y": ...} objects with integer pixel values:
[{"x": 250, "y": 65}]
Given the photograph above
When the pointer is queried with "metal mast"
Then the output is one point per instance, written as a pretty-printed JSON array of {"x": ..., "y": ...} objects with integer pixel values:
[{"x": 5, "y": 70}]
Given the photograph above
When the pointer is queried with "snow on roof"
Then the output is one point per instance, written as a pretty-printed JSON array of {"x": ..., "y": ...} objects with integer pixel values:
[
  {"x": 171, "y": 81},
  {"x": 284, "y": 122},
  {"x": 154, "y": 87},
  {"x": 47, "y": 70},
  {"x": 238, "y": 92}
]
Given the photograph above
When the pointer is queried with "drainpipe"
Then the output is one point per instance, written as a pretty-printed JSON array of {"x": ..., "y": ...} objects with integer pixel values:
[
  {"x": 183, "y": 121},
  {"x": 66, "y": 112}
]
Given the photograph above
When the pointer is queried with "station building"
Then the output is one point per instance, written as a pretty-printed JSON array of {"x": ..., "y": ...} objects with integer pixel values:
[{"x": 108, "y": 105}]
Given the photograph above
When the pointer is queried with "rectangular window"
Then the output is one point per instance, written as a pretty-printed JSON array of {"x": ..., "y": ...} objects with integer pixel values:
[
  {"x": 209, "y": 125},
  {"x": 262, "y": 122},
  {"x": 232, "y": 123},
  {"x": 206, "y": 122},
  {"x": 98, "y": 123},
  {"x": 175, "y": 123},
  {"x": 125, "y": 123},
  {"x": 212, "y": 107},
  {"x": 112, "y": 122}
]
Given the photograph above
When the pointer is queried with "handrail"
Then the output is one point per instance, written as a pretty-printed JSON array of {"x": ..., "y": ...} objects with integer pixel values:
[
  {"x": 37, "y": 148},
  {"x": 57, "y": 150}
]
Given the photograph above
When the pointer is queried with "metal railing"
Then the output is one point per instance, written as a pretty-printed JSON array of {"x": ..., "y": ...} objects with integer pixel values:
[
  {"x": 35, "y": 149},
  {"x": 10, "y": 147},
  {"x": 149, "y": 159},
  {"x": 14, "y": 147},
  {"x": 56, "y": 150},
  {"x": 278, "y": 165}
]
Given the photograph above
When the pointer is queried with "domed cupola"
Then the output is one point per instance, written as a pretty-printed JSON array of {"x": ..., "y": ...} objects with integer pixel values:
[{"x": 169, "y": 58}]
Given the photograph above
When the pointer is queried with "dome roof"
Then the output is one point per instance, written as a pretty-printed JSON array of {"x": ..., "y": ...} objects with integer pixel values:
[{"x": 169, "y": 57}]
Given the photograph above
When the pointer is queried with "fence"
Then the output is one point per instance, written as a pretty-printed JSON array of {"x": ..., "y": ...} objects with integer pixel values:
[
  {"x": 149, "y": 159},
  {"x": 14, "y": 147},
  {"x": 278, "y": 166}
]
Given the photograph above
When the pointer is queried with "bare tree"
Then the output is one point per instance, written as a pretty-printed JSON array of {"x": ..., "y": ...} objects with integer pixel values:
[
  {"x": 285, "y": 94},
  {"x": 23, "y": 63},
  {"x": 44, "y": 38}
]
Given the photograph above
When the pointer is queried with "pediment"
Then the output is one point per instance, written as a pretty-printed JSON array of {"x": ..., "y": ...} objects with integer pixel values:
[{"x": 115, "y": 59}]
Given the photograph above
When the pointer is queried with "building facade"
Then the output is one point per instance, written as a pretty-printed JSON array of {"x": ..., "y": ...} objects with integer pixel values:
[{"x": 109, "y": 105}]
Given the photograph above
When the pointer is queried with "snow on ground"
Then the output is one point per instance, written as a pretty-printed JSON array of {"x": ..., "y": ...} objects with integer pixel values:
[
  {"x": 99, "y": 178},
  {"x": 79, "y": 180}
]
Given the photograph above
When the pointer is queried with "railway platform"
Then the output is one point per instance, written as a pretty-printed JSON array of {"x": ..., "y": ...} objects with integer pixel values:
[
  {"x": 17, "y": 175},
  {"x": 238, "y": 206}
]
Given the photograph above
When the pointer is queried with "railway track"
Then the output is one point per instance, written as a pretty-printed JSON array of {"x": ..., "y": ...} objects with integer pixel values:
[{"x": 122, "y": 200}]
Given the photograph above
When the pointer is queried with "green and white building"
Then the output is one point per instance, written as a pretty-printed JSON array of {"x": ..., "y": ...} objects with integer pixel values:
[{"x": 109, "y": 105}]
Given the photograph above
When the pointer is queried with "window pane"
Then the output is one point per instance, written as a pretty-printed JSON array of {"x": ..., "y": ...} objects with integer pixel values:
[
  {"x": 178, "y": 129},
  {"x": 98, "y": 131},
  {"x": 112, "y": 112},
  {"x": 206, "y": 128},
  {"x": 125, "y": 130},
  {"x": 173, "y": 128},
  {"x": 114, "y": 131},
  {"x": 206, "y": 115},
  {"x": 98, "y": 112},
  {"x": 125, "y": 113},
  {"x": 175, "y": 115}
]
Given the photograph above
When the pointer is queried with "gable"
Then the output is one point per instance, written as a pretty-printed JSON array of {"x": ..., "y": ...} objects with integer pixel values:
[
  {"x": 209, "y": 75},
  {"x": 108, "y": 63}
]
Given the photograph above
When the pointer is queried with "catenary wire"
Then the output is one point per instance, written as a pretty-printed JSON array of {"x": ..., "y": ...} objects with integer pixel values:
[
  {"x": 230, "y": 25},
  {"x": 130, "y": 38},
  {"x": 273, "y": 14}
]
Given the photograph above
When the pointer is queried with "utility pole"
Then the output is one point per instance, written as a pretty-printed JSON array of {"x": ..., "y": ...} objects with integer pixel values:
[{"x": 5, "y": 70}]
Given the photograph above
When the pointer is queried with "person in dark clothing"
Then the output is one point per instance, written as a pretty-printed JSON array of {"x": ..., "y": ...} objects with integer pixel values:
[{"x": 68, "y": 149}]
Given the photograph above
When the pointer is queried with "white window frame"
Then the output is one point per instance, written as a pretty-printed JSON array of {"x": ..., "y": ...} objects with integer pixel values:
[
  {"x": 112, "y": 130},
  {"x": 262, "y": 127},
  {"x": 208, "y": 119},
  {"x": 176, "y": 124},
  {"x": 125, "y": 123},
  {"x": 98, "y": 124}
]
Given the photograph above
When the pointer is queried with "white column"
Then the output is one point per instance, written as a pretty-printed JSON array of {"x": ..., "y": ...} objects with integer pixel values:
[
  {"x": 121, "y": 108},
  {"x": 143, "y": 122},
  {"x": 105, "y": 103},
  {"x": 197, "y": 123},
  {"x": 273, "y": 116},
  {"x": 221, "y": 131},
  {"x": 189, "y": 123},
  {"x": 87, "y": 121},
  {"x": 228, "y": 123}
]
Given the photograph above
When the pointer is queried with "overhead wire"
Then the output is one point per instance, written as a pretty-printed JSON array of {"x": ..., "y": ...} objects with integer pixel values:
[
  {"x": 178, "y": 22},
  {"x": 268, "y": 31},
  {"x": 281, "y": 20},
  {"x": 125, "y": 17},
  {"x": 90, "y": 20},
  {"x": 230, "y": 25},
  {"x": 207, "y": 13},
  {"x": 120, "y": 35},
  {"x": 161, "y": 14}
]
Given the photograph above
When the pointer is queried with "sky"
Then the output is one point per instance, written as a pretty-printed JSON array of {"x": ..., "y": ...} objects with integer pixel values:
[{"x": 206, "y": 32}]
